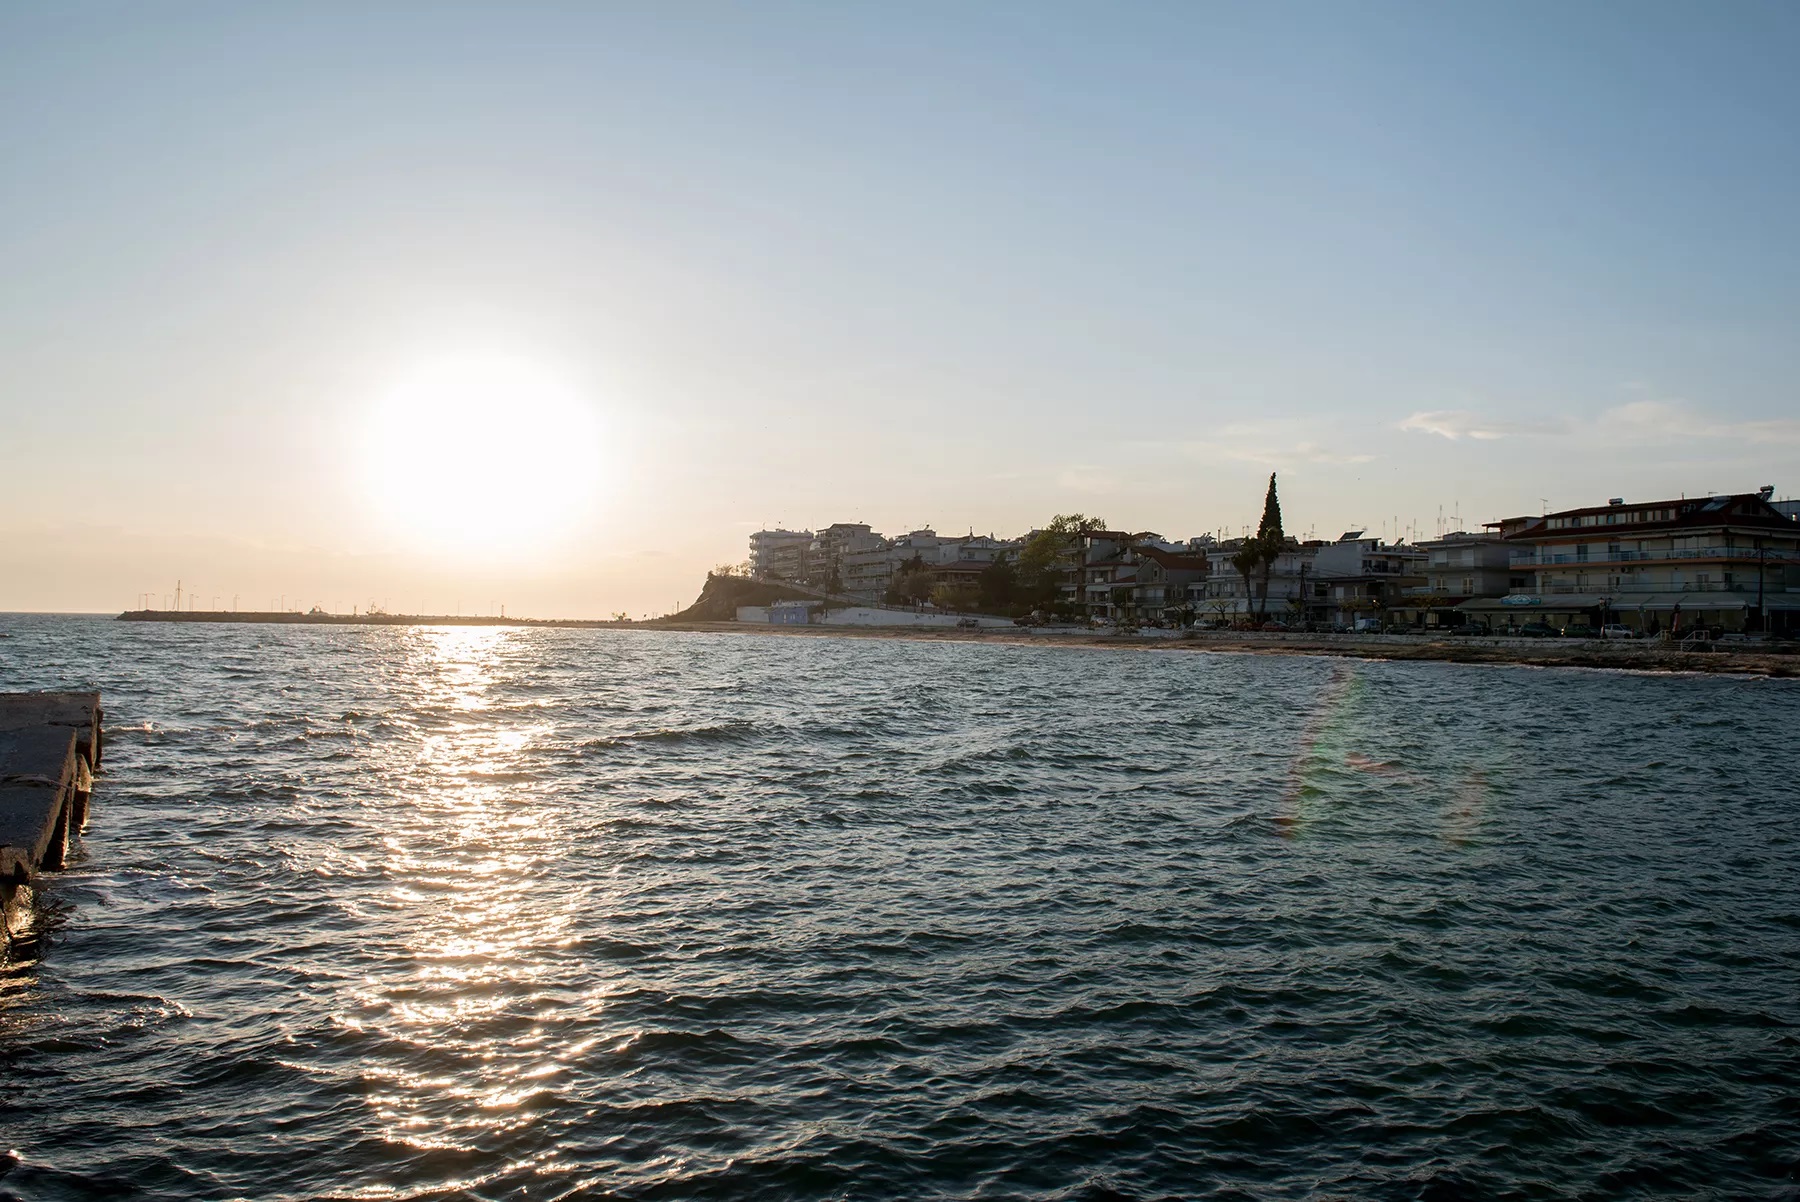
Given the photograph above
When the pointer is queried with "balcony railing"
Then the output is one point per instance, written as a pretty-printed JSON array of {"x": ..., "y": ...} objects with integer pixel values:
[
  {"x": 1599, "y": 555},
  {"x": 1745, "y": 587}
]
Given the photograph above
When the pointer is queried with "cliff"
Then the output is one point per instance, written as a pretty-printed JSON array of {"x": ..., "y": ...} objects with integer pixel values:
[{"x": 721, "y": 596}]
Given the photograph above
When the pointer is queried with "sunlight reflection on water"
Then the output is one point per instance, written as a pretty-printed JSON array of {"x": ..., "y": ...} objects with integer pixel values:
[{"x": 500, "y": 913}]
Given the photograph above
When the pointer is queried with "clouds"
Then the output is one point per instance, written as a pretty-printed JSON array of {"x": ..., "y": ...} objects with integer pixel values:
[
  {"x": 1638, "y": 423},
  {"x": 1087, "y": 479},
  {"x": 1280, "y": 443},
  {"x": 1457, "y": 424},
  {"x": 1663, "y": 421}
]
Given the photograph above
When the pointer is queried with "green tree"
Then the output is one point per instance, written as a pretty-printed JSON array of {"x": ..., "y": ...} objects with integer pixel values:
[
  {"x": 997, "y": 585},
  {"x": 1248, "y": 560},
  {"x": 1045, "y": 558},
  {"x": 1259, "y": 554},
  {"x": 1270, "y": 542},
  {"x": 957, "y": 597},
  {"x": 911, "y": 584}
]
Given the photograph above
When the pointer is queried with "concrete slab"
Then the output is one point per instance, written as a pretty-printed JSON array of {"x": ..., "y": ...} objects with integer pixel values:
[
  {"x": 79, "y": 711},
  {"x": 38, "y": 775}
]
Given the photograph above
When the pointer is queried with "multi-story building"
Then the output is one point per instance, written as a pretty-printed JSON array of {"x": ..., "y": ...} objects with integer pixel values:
[
  {"x": 960, "y": 562},
  {"x": 1167, "y": 582},
  {"x": 1149, "y": 581},
  {"x": 1293, "y": 592},
  {"x": 1366, "y": 578},
  {"x": 782, "y": 554},
  {"x": 832, "y": 545},
  {"x": 1731, "y": 561},
  {"x": 1093, "y": 568},
  {"x": 1459, "y": 567},
  {"x": 1108, "y": 586},
  {"x": 867, "y": 573},
  {"x": 869, "y": 564}
]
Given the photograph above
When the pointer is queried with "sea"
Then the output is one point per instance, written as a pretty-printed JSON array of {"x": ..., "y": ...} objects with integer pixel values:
[{"x": 498, "y": 913}]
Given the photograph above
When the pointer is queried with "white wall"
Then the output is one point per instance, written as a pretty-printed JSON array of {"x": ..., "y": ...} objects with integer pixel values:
[{"x": 859, "y": 616}]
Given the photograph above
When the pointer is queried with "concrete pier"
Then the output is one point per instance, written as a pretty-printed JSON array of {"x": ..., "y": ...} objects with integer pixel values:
[{"x": 50, "y": 745}]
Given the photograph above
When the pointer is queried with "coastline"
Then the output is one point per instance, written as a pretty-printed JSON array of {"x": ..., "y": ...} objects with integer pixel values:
[
  {"x": 1545, "y": 653},
  {"x": 1632, "y": 656}
]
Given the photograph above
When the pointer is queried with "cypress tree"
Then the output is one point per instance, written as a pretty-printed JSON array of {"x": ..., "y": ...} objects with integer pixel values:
[
  {"x": 1269, "y": 541},
  {"x": 1269, "y": 533}
]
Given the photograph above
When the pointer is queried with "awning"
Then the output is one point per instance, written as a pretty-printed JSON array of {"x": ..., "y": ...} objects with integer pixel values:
[
  {"x": 1689, "y": 602},
  {"x": 1547, "y": 603},
  {"x": 1550, "y": 603}
]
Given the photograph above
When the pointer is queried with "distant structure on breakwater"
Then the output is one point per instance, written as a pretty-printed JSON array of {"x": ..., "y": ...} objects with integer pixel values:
[{"x": 49, "y": 750}]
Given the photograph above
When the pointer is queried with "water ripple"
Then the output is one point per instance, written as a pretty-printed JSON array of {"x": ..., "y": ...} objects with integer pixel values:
[{"x": 434, "y": 914}]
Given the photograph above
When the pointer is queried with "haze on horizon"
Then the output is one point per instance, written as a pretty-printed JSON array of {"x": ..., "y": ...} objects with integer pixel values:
[{"x": 933, "y": 264}]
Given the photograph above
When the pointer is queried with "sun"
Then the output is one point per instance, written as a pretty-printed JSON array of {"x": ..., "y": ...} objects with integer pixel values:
[{"x": 482, "y": 456}]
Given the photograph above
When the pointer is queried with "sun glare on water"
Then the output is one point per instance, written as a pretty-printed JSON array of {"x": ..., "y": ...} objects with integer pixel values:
[{"x": 482, "y": 456}]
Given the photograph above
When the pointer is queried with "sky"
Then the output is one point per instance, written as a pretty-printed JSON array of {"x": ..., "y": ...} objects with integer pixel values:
[{"x": 726, "y": 266}]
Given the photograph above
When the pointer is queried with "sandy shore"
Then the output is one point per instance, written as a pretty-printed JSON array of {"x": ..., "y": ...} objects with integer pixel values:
[{"x": 1742, "y": 659}]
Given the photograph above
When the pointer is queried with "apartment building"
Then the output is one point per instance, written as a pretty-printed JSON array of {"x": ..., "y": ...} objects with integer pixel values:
[
  {"x": 1363, "y": 577},
  {"x": 1294, "y": 590},
  {"x": 1459, "y": 568},
  {"x": 780, "y": 554},
  {"x": 833, "y": 545},
  {"x": 1169, "y": 583},
  {"x": 1729, "y": 560},
  {"x": 1095, "y": 565}
]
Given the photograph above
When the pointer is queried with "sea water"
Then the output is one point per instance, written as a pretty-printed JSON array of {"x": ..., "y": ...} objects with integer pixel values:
[{"x": 508, "y": 913}]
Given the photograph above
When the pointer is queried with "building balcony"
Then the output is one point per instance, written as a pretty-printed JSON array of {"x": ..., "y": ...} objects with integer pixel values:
[
  {"x": 1747, "y": 587},
  {"x": 1599, "y": 555}
]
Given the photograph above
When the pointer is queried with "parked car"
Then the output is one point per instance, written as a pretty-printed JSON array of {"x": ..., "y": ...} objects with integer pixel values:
[
  {"x": 1617, "y": 630},
  {"x": 1579, "y": 631},
  {"x": 1274, "y": 625},
  {"x": 1538, "y": 630}
]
